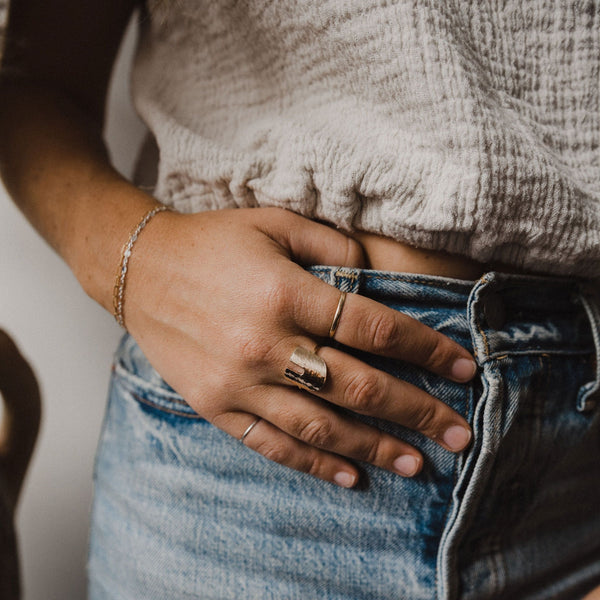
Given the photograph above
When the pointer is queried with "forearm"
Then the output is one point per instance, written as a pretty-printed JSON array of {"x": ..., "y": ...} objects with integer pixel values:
[{"x": 56, "y": 168}]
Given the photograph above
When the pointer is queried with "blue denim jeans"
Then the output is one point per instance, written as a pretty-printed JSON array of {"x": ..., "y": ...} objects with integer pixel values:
[{"x": 183, "y": 510}]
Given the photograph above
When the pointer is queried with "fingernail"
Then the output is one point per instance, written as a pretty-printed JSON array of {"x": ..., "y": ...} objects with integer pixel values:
[
  {"x": 464, "y": 369},
  {"x": 406, "y": 465},
  {"x": 345, "y": 479},
  {"x": 457, "y": 437}
]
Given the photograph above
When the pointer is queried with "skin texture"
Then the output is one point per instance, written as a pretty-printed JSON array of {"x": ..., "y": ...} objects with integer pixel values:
[{"x": 217, "y": 301}]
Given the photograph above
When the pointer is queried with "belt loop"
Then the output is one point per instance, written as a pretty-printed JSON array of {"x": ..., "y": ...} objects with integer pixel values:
[
  {"x": 587, "y": 396},
  {"x": 475, "y": 314},
  {"x": 347, "y": 279}
]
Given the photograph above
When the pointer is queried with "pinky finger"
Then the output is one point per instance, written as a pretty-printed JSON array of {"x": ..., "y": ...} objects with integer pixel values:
[{"x": 278, "y": 446}]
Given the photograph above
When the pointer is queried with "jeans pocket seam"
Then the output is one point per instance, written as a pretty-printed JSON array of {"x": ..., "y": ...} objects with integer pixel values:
[
  {"x": 152, "y": 395},
  {"x": 165, "y": 409}
]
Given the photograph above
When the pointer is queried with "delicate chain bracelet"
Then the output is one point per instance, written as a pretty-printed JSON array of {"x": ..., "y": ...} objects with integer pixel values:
[{"x": 119, "y": 289}]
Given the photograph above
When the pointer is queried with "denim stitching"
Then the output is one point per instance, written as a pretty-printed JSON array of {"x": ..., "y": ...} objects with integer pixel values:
[
  {"x": 572, "y": 352},
  {"x": 345, "y": 275},
  {"x": 455, "y": 476},
  {"x": 132, "y": 387},
  {"x": 171, "y": 411},
  {"x": 484, "y": 338}
]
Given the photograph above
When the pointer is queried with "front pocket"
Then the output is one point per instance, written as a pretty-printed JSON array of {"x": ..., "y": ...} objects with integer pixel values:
[{"x": 149, "y": 393}]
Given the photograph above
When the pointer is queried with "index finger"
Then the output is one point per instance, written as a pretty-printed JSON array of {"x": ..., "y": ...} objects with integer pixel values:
[{"x": 370, "y": 326}]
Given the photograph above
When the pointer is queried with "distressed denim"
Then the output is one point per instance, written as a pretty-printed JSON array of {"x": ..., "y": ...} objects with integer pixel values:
[{"x": 183, "y": 510}]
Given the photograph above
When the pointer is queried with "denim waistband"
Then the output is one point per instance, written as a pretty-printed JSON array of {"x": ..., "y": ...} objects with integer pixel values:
[{"x": 502, "y": 313}]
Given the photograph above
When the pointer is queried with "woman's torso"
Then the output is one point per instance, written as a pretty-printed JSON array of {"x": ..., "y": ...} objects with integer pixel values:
[{"x": 466, "y": 128}]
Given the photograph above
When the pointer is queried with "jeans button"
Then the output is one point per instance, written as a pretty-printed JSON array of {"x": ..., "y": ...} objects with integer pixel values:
[{"x": 494, "y": 312}]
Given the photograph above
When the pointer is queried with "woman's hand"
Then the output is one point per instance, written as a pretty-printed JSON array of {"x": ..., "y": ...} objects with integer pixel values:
[
  {"x": 213, "y": 299},
  {"x": 217, "y": 304}
]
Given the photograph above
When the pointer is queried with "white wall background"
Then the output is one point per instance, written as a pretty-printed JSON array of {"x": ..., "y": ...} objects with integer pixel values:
[{"x": 69, "y": 340}]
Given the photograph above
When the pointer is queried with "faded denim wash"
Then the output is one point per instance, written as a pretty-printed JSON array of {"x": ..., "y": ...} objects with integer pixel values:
[{"x": 183, "y": 510}]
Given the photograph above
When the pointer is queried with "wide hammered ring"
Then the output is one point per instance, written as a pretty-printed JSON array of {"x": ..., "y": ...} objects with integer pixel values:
[{"x": 307, "y": 370}]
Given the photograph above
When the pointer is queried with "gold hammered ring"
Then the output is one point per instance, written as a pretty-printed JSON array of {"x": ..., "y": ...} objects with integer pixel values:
[
  {"x": 337, "y": 315},
  {"x": 307, "y": 370}
]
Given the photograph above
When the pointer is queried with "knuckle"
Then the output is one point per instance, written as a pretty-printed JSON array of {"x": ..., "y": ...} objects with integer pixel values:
[
  {"x": 424, "y": 419},
  {"x": 274, "y": 451},
  {"x": 436, "y": 351},
  {"x": 276, "y": 294},
  {"x": 315, "y": 465},
  {"x": 364, "y": 393},
  {"x": 318, "y": 431},
  {"x": 370, "y": 450},
  {"x": 383, "y": 330},
  {"x": 354, "y": 253},
  {"x": 253, "y": 350}
]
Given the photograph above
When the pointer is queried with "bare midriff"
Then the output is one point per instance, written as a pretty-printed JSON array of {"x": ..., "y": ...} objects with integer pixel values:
[{"x": 386, "y": 254}]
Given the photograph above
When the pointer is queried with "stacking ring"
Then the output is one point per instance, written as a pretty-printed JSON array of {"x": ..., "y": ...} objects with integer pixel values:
[
  {"x": 337, "y": 315},
  {"x": 249, "y": 429},
  {"x": 306, "y": 369}
]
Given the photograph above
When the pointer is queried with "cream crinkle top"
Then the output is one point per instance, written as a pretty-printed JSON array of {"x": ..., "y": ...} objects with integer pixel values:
[{"x": 466, "y": 126}]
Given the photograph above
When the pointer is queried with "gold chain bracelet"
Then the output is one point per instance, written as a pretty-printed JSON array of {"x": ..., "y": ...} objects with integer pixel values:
[{"x": 119, "y": 289}]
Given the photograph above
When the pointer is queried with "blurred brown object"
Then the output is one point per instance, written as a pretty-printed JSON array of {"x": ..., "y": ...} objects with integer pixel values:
[{"x": 18, "y": 432}]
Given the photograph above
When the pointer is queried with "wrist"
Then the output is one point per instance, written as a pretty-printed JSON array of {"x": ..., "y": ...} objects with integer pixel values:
[
  {"x": 103, "y": 228},
  {"x": 121, "y": 277}
]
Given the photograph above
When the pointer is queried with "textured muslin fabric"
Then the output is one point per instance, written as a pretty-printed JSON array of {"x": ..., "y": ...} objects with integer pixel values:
[
  {"x": 183, "y": 510},
  {"x": 458, "y": 125}
]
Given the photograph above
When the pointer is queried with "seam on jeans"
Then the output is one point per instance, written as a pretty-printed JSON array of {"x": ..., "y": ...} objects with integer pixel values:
[
  {"x": 344, "y": 273},
  {"x": 455, "y": 476},
  {"x": 446, "y": 516},
  {"x": 165, "y": 409},
  {"x": 485, "y": 340},
  {"x": 403, "y": 278},
  {"x": 545, "y": 352},
  {"x": 154, "y": 399},
  {"x": 483, "y": 280},
  {"x": 132, "y": 381}
]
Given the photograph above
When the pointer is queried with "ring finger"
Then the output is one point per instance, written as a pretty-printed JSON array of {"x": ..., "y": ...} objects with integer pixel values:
[{"x": 304, "y": 433}]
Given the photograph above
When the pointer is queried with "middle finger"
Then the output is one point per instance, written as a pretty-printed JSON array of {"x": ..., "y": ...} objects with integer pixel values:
[{"x": 354, "y": 385}]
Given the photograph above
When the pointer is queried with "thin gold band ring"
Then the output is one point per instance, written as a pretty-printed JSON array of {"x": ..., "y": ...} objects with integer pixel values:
[{"x": 337, "y": 315}]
